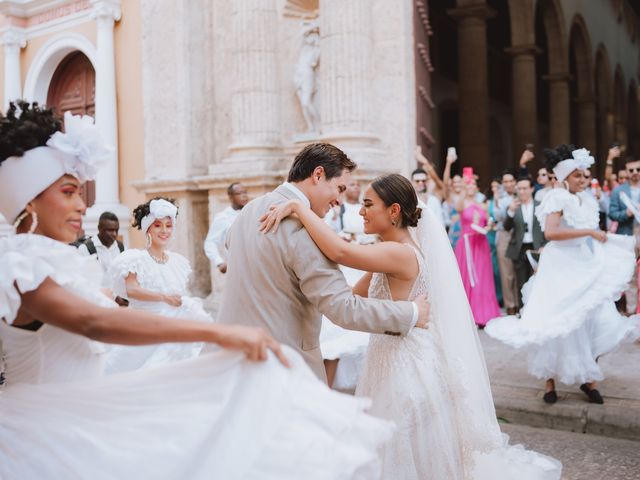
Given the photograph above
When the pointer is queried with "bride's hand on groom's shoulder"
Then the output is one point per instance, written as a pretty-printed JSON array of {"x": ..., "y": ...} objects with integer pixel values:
[
  {"x": 424, "y": 308},
  {"x": 269, "y": 221},
  {"x": 253, "y": 341}
]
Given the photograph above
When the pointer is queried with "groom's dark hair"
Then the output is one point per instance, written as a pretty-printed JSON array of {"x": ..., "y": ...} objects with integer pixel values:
[{"x": 331, "y": 158}]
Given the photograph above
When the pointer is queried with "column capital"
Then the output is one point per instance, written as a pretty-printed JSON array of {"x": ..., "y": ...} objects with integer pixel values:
[
  {"x": 558, "y": 77},
  {"x": 481, "y": 12},
  {"x": 517, "y": 50},
  {"x": 106, "y": 10},
  {"x": 12, "y": 37}
]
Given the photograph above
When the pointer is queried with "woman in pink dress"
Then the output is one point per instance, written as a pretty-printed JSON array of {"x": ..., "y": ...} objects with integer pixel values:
[{"x": 474, "y": 256}]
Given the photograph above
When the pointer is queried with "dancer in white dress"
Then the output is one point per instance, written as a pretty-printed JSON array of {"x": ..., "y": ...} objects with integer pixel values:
[
  {"x": 215, "y": 416},
  {"x": 154, "y": 279},
  {"x": 433, "y": 383},
  {"x": 570, "y": 318}
]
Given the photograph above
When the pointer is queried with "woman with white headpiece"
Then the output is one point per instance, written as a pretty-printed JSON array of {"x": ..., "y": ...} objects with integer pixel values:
[
  {"x": 569, "y": 318},
  {"x": 219, "y": 415},
  {"x": 154, "y": 279}
]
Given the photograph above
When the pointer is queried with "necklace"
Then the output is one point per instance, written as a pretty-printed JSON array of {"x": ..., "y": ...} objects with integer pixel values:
[{"x": 164, "y": 259}]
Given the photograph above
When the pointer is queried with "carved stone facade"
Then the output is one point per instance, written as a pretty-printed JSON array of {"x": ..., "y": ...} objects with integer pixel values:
[{"x": 230, "y": 112}]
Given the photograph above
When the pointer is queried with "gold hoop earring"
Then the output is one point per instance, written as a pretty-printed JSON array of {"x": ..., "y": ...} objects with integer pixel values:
[{"x": 34, "y": 221}]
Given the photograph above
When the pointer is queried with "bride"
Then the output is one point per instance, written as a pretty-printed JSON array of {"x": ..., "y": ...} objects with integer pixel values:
[
  {"x": 215, "y": 416},
  {"x": 432, "y": 383},
  {"x": 154, "y": 279}
]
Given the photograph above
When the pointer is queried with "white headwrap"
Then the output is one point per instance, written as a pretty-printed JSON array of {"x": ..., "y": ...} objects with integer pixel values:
[
  {"x": 582, "y": 159},
  {"x": 158, "y": 209},
  {"x": 79, "y": 151}
]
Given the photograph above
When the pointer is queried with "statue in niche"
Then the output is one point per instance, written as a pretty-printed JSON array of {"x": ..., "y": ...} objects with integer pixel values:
[{"x": 305, "y": 77}]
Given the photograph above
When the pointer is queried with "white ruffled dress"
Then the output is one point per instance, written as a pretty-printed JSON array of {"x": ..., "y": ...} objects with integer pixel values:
[
  {"x": 217, "y": 416},
  {"x": 170, "y": 278},
  {"x": 569, "y": 318}
]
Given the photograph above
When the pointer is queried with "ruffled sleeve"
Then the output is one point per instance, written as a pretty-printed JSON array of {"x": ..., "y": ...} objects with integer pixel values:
[
  {"x": 578, "y": 211},
  {"x": 555, "y": 201},
  {"x": 129, "y": 261},
  {"x": 27, "y": 260}
]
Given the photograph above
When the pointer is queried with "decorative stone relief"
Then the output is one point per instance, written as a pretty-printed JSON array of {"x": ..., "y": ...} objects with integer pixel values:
[{"x": 306, "y": 76}]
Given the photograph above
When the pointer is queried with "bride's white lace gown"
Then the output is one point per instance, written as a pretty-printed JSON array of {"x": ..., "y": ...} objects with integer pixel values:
[
  {"x": 170, "y": 278},
  {"x": 217, "y": 416},
  {"x": 413, "y": 381}
]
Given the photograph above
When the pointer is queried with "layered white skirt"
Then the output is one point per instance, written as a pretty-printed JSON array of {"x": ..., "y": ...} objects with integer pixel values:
[
  {"x": 569, "y": 318},
  {"x": 217, "y": 416}
]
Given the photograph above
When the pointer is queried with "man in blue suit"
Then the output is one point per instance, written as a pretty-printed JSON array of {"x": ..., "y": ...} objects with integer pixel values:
[{"x": 627, "y": 225}]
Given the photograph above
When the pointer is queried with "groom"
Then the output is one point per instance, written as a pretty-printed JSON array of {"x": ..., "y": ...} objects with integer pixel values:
[{"x": 282, "y": 282}]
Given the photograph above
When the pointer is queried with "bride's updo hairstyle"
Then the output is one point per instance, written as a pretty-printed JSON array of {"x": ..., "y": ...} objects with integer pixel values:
[
  {"x": 558, "y": 154},
  {"x": 394, "y": 188},
  {"x": 24, "y": 127},
  {"x": 144, "y": 209}
]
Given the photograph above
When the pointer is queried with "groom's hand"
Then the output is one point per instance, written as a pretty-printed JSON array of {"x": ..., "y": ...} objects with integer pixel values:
[{"x": 423, "y": 311}]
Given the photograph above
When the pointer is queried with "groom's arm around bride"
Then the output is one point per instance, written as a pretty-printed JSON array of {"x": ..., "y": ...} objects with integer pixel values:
[{"x": 282, "y": 281}]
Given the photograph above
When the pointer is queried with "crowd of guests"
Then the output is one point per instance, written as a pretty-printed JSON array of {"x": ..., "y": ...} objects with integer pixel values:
[{"x": 496, "y": 235}]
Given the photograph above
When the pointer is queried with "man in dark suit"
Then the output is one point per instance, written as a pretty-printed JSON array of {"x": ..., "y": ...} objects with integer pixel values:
[{"x": 527, "y": 234}]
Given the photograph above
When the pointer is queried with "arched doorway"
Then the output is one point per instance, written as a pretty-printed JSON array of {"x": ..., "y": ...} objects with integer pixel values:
[
  {"x": 633, "y": 121},
  {"x": 619, "y": 107},
  {"x": 583, "y": 107},
  {"x": 73, "y": 88},
  {"x": 553, "y": 74},
  {"x": 603, "y": 101}
]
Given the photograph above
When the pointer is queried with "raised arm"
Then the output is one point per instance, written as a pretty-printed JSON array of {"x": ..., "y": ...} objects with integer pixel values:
[
  {"x": 386, "y": 257},
  {"x": 52, "y": 304},
  {"x": 326, "y": 288},
  {"x": 426, "y": 164}
]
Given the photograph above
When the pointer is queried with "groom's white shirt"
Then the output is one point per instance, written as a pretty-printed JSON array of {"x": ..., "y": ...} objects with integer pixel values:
[
  {"x": 301, "y": 196},
  {"x": 282, "y": 282}
]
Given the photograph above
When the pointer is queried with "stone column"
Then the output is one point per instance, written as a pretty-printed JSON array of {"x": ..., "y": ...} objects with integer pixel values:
[
  {"x": 255, "y": 114},
  {"x": 559, "y": 116},
  {"x": 473, "y": 89},
  {"x": 12, "y": 40},
  {"x": 106, "y": 13},
  {"x": 345, "y": 71},
  {"x": 524, "y": 103},
  {"x": 587, "y": 135}
]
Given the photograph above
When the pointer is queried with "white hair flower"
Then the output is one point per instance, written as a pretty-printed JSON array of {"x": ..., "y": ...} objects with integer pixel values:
[
  {"x": 583, "y": 158},
  {"x": 83, "y": 144}
]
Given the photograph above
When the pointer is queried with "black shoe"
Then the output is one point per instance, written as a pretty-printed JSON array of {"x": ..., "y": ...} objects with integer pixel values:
[
  {"x": 593, "y": 394},
  {"x": 550, "y": 397}
]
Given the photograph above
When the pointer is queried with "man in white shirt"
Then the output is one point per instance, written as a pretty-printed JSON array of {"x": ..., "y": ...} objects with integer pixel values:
[
  {"x": 420, "y": 179},
  {"x": 508, "y": 280},
  {"x": 214, "y": 244},
  {"x": 105, "y": 244},
  {"x": 526, "y": 233}
]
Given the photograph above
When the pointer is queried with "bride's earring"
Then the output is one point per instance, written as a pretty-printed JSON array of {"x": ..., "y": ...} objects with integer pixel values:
[
  {"x": 566, "y": 184},
  {"x": 149, "y": 241},
  {"x": 393, "y": 222}
]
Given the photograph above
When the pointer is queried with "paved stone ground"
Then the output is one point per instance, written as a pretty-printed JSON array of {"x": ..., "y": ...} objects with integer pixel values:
[
  {"x": 518, "y": 396},
  {"x": 584, "y": 456}
]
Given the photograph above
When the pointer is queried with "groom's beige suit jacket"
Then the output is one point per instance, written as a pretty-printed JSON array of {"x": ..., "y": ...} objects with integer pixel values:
[{"x": 283, "y": 283}]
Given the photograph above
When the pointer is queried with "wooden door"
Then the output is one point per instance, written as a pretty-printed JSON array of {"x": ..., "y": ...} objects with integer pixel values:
[{"x": 73, "y": 88}]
